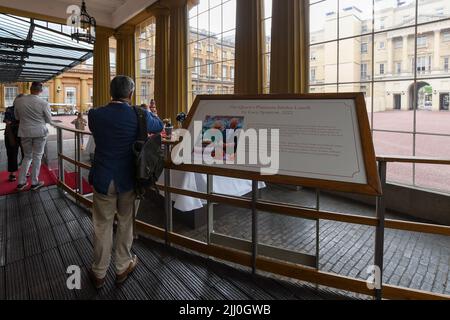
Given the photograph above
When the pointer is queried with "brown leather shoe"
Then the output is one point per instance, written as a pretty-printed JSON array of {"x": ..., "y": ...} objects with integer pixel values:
[
  {"x": 120, "y": 278},
  {"x": 97, "y": 282}
]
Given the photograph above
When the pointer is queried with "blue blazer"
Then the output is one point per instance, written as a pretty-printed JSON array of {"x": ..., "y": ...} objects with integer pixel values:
[{"x": 115, "y": 129}]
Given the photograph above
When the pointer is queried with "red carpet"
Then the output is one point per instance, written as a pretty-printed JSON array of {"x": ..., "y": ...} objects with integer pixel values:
[
  {"x": 7, "y": 187},
  {"x": 70, "y": 180}
]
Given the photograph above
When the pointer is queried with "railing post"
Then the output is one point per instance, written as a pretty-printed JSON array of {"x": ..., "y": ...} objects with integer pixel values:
[
  {"x": 254, "y": 225},
  {"x": 167, "y": 195},
  {"x": 317, "y": 229},
  {"x": 79, "y": 187},
  {"x": 209, "y": 208},
  {"x": 379, "y": 233},
  {"x": 59, "y": 148}
]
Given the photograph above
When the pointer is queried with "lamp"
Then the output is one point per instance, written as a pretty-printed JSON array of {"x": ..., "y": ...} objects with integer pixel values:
[
  {"x": 58, "y": 89},
  {"x": 84, "y": 28}
]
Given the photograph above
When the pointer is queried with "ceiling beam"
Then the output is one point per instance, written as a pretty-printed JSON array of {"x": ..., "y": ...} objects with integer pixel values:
[
  {"x": 21, "y": 54},
  {"x": 36, "y": 73},
  {"x": 46, "y": 64},
  {"x": 31, "y": 43},
  {"x": 9, "y": 67},
  {"x": 11, "y": 61}
]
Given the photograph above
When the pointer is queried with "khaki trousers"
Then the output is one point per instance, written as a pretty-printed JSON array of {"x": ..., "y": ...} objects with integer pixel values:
[
  {"x": 33, "y": 148},
  {"x": 105, "y": 208}
]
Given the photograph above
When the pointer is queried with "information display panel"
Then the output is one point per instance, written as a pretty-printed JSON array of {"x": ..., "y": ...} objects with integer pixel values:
[{"x": 323, "y": 141}]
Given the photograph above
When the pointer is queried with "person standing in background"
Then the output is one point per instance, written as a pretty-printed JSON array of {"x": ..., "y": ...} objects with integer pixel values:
[
  {"x": 33, "y": 114},
  {"x": 152, "y": 107},
  {"x": 80, "y": 124},
  {"x": 12, "y": 140}
]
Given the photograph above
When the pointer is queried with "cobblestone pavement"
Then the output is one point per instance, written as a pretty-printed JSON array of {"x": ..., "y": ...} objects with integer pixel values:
[{"x": 411, "y": 259}]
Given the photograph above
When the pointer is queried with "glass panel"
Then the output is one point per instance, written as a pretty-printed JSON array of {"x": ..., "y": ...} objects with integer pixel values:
[
  {"x": 267, "y": 72},
  {"x": 392, "y": 106},
  {"x": 433, "y": 10},
  {"x": 397, "y": 144},
  {"x": 268, "y": 34},
  {"x": 433, "y": 105},
  {"x": 267, "y": 9},
  {"x": 211, "y": 49},
  {"x": 433, "y": 50},
  {"x": 323, "y": 21},
  {"x": 203, "y": 5},
  {"x": 229, "y": 15},
  {"x": 323, "y": 89},
  {"x": 355, "y": 59},
  {"x": 390, "y": 14},
  {"x": 215, "y": 21},
  {"x": 145, "y": 61},
  {"x": 323, "y": 57},
  {"x": 203, "y": 25},
  {"x": 193, "y": 27},
  {"x": 433, "y": 176},
  {"x": 214, "y": 3},
  {"x": 355, "y": 17}
]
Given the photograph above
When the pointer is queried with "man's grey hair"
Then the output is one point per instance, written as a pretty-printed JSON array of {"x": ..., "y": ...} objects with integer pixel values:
[{"x": 121, "y": 87}]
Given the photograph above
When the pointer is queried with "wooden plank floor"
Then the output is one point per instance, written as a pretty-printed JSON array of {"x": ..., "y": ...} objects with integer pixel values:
[{"x": 42, "y": 233}]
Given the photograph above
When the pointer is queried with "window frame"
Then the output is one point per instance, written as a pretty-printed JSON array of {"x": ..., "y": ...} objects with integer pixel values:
[
  {"x": 70, "y": 89},
  {"x": 12, "y": 97}
]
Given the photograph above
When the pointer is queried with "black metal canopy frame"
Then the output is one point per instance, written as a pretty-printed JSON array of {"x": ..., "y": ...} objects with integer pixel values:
[{"x": 34, "y": 50}]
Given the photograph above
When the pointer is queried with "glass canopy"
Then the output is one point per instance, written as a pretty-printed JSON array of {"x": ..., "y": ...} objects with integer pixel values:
[{"x": 34, "y": 50}]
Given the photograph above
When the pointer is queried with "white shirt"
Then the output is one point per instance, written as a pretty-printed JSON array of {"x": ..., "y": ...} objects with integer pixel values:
[{"x": 33, "y": 114}]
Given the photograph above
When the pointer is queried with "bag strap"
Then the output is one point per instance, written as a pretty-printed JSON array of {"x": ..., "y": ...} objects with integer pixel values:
[{"x": 142, "y": 123}]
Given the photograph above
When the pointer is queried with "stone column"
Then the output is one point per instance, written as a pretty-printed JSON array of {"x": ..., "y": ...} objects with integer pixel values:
[
  {"x": 406, "y": 63},
  {"x": 390, "y": 53},
  {"x": 84, "y": 96},
  {"x": 125, "y": 50},
  {"x": 24, "y": 88},
  {"x": 177, "y": 69},
  {"x": 59, "y": 91},
  {"x": 437, "y": 52},
  {"x": 161, "y": 14},
  {"x": 2, "y": 98},
  {"x": 102, "y": 69}
]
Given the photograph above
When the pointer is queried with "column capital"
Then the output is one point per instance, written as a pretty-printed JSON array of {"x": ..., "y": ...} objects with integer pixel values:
[
  {"x": 158, "y": 10},
  {"x": 104, "y": 32},
  {"x": 172, "y": 4},
  {"x": 125, "y": 31}
]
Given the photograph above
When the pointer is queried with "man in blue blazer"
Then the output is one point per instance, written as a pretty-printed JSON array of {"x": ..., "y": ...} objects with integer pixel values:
[{"x": 115, "y": 129}]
